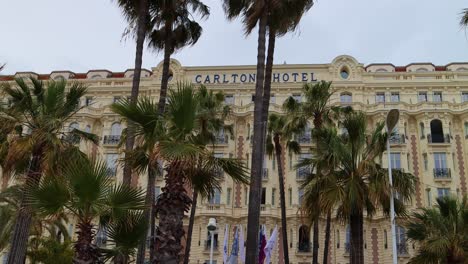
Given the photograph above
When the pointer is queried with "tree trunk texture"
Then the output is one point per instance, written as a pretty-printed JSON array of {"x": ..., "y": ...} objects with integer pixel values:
[
  {"x": 268, "y": 75},
  {"x": 20, "y": 235},
  {"x": 166, "y": 64},
  {"x": 326, "y": 246},
  {"x": 85, "y": 251},
  {"x": 284, "y": 228},
  {"x": 149, "y": 212},
  {"x": 188, "y": 243},
  {"x": 356, "y": 221},
  {"x": 253, "y": 218},
  {"x": 170, "y": 209},
  {"x": 315, "y": 241},
  {"x": 141, "y": 31}
]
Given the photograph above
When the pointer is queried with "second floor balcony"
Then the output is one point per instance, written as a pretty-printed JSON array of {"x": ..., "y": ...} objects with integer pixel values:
[
  {"x": 302, "y": 173},
  {"x": 397, "y": 139},
  {"x": 304, "y": 247},
  {"x": 442, "y": 173},
  {"x": 111, "y": 139},
  {"x": 438, "y": 139}
]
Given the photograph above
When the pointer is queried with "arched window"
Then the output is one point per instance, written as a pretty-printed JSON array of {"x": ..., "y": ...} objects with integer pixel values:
[
  {"x": 116, "y": 129},
  {"x": 346, "y": 98},
  {"x": 421, "y": 70},
  {"x": 421, "y": 129},
  {"x": 304, "y": 239},
  {"x": 381, "y": 70},
  {"x": 437, "y": 132},
  {"x": 96, "y": 76}
]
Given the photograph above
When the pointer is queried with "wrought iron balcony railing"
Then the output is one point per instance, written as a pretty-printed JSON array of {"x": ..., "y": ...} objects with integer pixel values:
[
  {"x": 437, "y": 138},
  {"x": 302, "y": 173},
  {"x": 397, "y": 139},
  {"x": 442, "y": 173},
  {"x": 304, "y": 247},
  {"x": 111, "y": 140}
]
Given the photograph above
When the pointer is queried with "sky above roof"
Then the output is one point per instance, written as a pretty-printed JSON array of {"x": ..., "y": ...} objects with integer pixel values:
[{"x": 43, "y": 36}]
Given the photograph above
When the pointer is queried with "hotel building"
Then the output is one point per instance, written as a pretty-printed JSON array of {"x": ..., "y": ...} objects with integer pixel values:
[{"x": 431, "y": 141}]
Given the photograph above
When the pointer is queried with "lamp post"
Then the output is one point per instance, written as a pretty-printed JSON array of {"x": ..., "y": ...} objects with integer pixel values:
[
  {"x": 392, "y": 120},
  {"x": 211, "y": 229}
]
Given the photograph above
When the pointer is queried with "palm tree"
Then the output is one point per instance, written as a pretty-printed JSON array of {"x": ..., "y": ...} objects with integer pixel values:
[
  {"x": 211, "y": 119},
  {"x": 358, "y": 184},
  {"x": 278, "y": 135},
  {"x": 441, "y": 232},
  {"x": 188, "y": 162},
  {"x": 173, "y": 28},
  {"x": 316, "y": 106},
  {"x": 51, "y": 251},
  {"x": 136, "y": 12},
  {"x": 85, "y": 192},
  {"x": 34, "y": 125},
  {"x": 464, "y": 18}
]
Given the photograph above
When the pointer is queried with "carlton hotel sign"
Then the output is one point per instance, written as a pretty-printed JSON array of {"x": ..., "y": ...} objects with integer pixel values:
[{"x": 251, "y": 77}]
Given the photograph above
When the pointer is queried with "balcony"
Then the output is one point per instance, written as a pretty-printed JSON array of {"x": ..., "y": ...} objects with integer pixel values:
[
  {"x": 438, "y": 139},
  {"x": 265, "y": 174},
  {"x": 442, "y": 173},
  {"x": 402, "y": 249},
  {"x": 207, "y": 244},
  {"x": 304, "y": 247},
  {"x": 111, "y": 172},
  {"x": 302, "y": 173},
  {"x": 305, "y": 138},
  {"x": 111, "y": 140},
  {"x": 397, "y": 139},
  {"x": 221, "y": 139}
]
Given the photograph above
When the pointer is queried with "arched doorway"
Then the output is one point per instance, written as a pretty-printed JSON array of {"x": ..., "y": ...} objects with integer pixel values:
[
  {"x": 304, "y": 239},
  {"x": 437, "y": 132}
]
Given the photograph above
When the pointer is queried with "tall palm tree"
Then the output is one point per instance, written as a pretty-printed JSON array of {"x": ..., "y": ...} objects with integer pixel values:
[
  {"x": 316, "y": 106},
  {"x": 278, "y": 135},
  {"x": 441, "y": 232},
  {"x": 87, "y": 193},
  {"x": 188, "y": 162},
  {"x": 464, "y": 18},
  {"x": 35, "y": 123},
  {"x": 253, "y": 13},
  {"x": 172, "y": 27},
  {"x": 136, "y": 12},
  {"x": 211, "y": 119},
  {"x": 358, "y": 184}
]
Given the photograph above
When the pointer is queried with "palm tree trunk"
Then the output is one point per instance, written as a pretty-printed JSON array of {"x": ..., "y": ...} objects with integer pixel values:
[
  {"x": 188, "y": 243},
  {"x": 20, "y": 235},
  {"x": 253, "y": 218},
  {"x": 356, "y": 221},
  {"x": 85, "y": 251},
  {"x": 149, "y": 201},
  {"x": 315, "y": 241},
  {"x": 171, "y": 206},
  {"x": 166, "y": 64},
  {"x": 327, "y": 239},
  {"x": 284, "y": 227},
  {"x": 268, "y": 74}
]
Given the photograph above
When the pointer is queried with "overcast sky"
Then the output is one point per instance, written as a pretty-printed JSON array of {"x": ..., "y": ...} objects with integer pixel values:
[{"x": 79, "y": 35}]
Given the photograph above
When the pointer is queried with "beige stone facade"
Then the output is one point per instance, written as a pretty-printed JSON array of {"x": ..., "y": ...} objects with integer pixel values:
[{"x": 432, "y": 140}]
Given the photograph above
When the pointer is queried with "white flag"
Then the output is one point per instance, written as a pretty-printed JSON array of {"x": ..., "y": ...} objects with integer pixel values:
[
  {"x": 270, "y": 246},
  {"x": 225, "y": 244},
  {"x": 241, "y": 245}
]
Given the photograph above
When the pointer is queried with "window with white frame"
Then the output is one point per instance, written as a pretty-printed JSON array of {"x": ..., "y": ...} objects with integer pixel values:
[
  {"x": 395, "y": 97},
  {"x": 111, "y": 162},
  {"x": 380, "y": 97},
  {"x": 440, "y": 160},
  {"x": 297, "y": 97},
  {"x": 422, "y": 97},
  {"x": 437, "y": 97},
  {"x": 215, "y": 198},
  {"x": 229, "y": 99},
  {"x": 395, "y": 159},
  {"x": 464, "y": 97},
  {"x": 442, "y": 192},
  {"x": 346, "y": 98}
]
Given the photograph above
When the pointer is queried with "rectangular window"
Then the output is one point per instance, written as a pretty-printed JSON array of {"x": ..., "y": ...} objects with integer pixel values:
[
  {"x": 297, "y": 97},
  {"x": 263, "y": 196},
  {"x": 380, "y": 98},
  {"x": 216, "y": 197},
  {"x": 395, "y": 97},
  {"x": 464, "y": 97},
  {"x": 437, "y": 97},
  {"x": 440, "y": 160},
  {"x": 117, "y": 98},
  {"x": 300, "y": 193},
  {"x": 441, "y": 192},
  {"x": 273, "y": 196},
  {"x": 229, "y": 99},
  {"x": 228, "y": 196},
  {"x": 422, "y": 97},
  {"x": 290, "y": 196},
  {"x": 272, "y": 99},
  {"x": 88, "y": 100},
  {"x": 395, "y": 159},
  {"x": 111, "y": 161}
]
